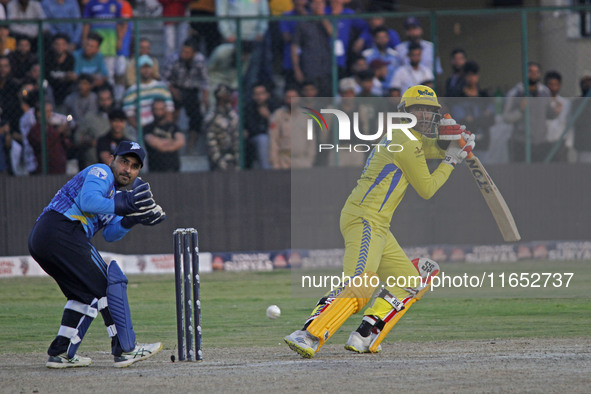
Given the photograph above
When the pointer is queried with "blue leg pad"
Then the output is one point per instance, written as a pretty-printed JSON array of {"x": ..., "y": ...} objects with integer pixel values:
[{"x": 119, "y": 306}]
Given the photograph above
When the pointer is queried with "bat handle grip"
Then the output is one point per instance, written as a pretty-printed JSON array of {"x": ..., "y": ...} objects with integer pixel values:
[{"x": 462, "y": 144}]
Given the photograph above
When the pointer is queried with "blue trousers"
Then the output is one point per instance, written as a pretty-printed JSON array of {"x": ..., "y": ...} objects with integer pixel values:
[{"x": 60, "y": 246}]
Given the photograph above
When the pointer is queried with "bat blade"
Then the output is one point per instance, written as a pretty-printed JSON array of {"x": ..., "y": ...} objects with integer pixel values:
[{"x": 495, "y": 201}]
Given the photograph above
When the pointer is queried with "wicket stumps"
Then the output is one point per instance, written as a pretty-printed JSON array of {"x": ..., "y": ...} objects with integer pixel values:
[{"x": 188, "y": 309}]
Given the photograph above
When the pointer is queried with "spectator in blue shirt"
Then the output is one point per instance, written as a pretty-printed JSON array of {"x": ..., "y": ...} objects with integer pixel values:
[
  {"x": 365, "y": 40},
  {"x": 345, "y": 29},
  {"x": 288, "y": 29},
  {"x": 89, "y": 60},
  {"x": 381, "y": 50},
  {"x": 62, "y": 9}
]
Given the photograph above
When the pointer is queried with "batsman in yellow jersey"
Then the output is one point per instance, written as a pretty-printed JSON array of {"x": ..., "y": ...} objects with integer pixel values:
[{"x": 370, "y": 248}]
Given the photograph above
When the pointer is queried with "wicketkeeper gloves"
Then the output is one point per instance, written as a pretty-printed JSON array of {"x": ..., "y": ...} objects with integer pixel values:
[
  {"x": 150, "y": 217},
  {"x": 138, "y": 199}
]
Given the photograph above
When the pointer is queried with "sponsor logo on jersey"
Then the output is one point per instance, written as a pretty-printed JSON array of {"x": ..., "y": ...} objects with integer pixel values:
[{"x": 98, "y": 172}]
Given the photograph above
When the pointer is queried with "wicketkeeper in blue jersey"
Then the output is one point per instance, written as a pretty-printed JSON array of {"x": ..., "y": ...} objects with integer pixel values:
[{"x": 114, "y": 199}]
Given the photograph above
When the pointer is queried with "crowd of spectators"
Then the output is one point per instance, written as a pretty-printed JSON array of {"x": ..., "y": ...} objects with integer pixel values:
[{"x": 91, "y": 90}]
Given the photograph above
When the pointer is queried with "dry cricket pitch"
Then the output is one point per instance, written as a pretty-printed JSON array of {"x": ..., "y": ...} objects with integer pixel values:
[{"x": 512, "y": 365}]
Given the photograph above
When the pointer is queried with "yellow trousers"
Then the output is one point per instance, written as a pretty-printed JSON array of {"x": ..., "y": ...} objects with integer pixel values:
[{"x": 373, "y": 248}]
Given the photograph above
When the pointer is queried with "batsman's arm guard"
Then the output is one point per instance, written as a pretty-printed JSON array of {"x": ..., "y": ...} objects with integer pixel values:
[
  {"x": 350, "y": 301},
  {"x": 119, "y": 306},
  {"x": 427, "y": 268}
]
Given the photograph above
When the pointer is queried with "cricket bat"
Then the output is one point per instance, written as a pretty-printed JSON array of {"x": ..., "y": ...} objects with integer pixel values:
[{"x": 495, "y": 201}]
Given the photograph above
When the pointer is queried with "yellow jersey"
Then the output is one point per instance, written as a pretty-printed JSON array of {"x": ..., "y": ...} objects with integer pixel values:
[{"x": 390, "y": 167}]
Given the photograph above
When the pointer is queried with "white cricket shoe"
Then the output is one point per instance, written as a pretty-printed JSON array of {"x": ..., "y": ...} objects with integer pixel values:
[
  {"x": 62, "y": 361},
  {"x": 303, "y": 343},
  {"x": 357, "y": 343},
  {"x": 141, "y": 352}
]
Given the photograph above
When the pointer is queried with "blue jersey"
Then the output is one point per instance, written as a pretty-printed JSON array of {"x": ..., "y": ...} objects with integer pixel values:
[
  {"x": 96, "y": 9},
  {"x": 89, "y": 198},
  {"x": 344, "y": 27}
]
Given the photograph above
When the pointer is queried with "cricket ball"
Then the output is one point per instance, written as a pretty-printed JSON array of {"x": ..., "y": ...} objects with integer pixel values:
[{"x": 273, "y": 312}]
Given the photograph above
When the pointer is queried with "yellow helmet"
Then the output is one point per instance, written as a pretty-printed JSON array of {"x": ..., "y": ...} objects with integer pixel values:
[
  {"x": 419, "y": 95},
  {"x": 427, "y": 118}
]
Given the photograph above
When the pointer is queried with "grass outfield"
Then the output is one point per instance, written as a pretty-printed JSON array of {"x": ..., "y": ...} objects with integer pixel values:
[{"x": 234, "y": 307}]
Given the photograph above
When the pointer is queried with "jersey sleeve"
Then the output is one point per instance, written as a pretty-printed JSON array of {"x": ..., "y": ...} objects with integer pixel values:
[
  {"x": 94, "y": 196},
  {"x": 114, "y": 231},
  {"x": 411, "y": 160},
  {"x": 432, "y": 149},
  {"x": 87, "y": 13}
]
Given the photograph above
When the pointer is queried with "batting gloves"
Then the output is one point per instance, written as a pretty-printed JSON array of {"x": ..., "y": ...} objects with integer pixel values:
[
  {"x": 449, "y": 129},
  {"x": 456, "y": 153}
]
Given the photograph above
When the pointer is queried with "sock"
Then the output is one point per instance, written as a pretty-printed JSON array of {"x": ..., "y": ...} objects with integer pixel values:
[{"x": 365, "y": 328}]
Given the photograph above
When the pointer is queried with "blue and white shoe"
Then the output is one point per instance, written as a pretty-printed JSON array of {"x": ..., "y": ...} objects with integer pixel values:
[
  {"x": 139, "y": 353},
  {"x": 62, "y": 361}
]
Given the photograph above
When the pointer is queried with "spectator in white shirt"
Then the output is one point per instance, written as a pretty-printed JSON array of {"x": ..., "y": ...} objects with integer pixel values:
[
  {"x": 414, "y": 34},
  {"x": 553, "y": 80},
  {"x": 413, "y": 73}
]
